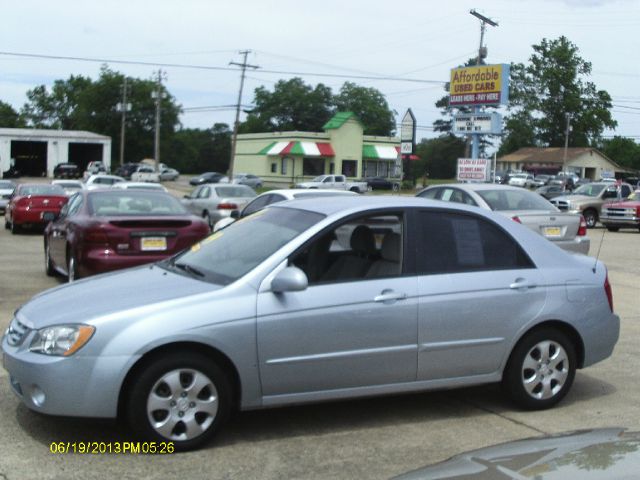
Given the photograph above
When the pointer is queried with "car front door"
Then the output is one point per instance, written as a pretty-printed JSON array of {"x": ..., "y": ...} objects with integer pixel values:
[
  {"x": 60, "y": 230},
  {"x": 355, "y": 325},
  {"x": 477, "y": 289}
]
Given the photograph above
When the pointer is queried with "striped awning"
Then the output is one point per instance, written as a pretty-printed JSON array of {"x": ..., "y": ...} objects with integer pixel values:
[
  {"x": 307, "y": 149},
  {"x": 380, "y": 152}
]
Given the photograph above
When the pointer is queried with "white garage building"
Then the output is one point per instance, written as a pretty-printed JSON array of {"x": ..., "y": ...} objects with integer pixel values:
[{"x": 35, "y": 153}]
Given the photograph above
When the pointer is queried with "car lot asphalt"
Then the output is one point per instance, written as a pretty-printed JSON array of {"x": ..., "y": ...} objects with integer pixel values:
[{"x": 369, "y": 438}]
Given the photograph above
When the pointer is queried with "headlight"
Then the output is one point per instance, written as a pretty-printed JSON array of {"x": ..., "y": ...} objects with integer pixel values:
[{"x": 61, "y": 340}]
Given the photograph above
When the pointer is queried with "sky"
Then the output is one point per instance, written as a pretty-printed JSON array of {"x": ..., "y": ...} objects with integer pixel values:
[{"x": 416, "y": 42}]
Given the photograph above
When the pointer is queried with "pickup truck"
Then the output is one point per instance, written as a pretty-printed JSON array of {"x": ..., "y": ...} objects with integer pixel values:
[
  {"x": 625, "y": 214},
  {"x": 589, "y": 198},
  {"x": 145, "y": 173},
  {"x": 334, "y": 182}
]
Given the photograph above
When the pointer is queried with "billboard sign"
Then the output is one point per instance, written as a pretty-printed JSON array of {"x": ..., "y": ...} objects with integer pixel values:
[
  {"x": 481, "y": 123},
  {"x": 479, "y": 85},
  {"x": 408, "y": 133},
  {"x": 473, "y": 169}
]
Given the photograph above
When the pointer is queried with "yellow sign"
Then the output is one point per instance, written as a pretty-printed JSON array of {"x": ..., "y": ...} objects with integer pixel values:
[{"x": 480, "y": 85}]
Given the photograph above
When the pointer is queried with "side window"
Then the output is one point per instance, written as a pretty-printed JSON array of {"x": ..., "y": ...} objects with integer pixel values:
[
  {"x": 450, "y": 242},
  {"x": 74, "y": 205},
  {"x": 257, "y": 204},
  {"x": 432, "y": 193},
  {"x": 205, "y": 192},
  {"x": 360, "y": 249}
]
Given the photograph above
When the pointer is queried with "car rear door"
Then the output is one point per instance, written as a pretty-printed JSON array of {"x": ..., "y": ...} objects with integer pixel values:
[{"x": 477, "y": 288}]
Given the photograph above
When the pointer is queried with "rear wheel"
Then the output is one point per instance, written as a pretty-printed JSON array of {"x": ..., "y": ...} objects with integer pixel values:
[
  {"x": 181, "y": 398},
  {"x": 591, "y": 217},
  {"x": 207, "y": 218},
  {"x": 48, "y": 264},
  {"x": 72, "y": 272},
  {"x": 540, "y": 370}
]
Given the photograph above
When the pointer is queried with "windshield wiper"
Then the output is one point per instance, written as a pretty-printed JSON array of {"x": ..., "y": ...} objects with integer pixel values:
[{"x": 188, "y": 268}]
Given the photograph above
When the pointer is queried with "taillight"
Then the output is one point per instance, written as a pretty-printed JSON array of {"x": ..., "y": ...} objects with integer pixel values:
[
  {"x": 582, "y": 230},
  {"x": 227, "y": 206},
  {"x": 96, "y": 236},
  {"x": 516, "y": 219},
  {"x": 607, "y": 290}
]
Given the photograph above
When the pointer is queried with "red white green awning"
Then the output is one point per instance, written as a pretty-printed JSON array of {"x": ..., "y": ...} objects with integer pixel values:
[
  {"x": 380, "y": 152},
  {"x": 307, "y": 149}
]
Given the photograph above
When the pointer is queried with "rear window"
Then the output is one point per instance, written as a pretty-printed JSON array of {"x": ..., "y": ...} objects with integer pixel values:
[
  {"x": 41, "y": 190},
  {"x": 235, "y": 191},
  {"x": 134, "y": 202},
  {"x": 514, "y": 200}
]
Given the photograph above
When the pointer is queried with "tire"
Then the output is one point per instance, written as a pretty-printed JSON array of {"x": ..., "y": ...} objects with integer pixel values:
[
  {"x": 7, "y": 225},
  {"x": 355, "y": 189},
  {"x": 207, "y": 218},
  {"x": 613, "y": 229},
  {"x": 181, "y": 397},
  {"x": 72, "y": 267},
  {"x": 15, "y": 229},
  {"x": 591, "y": 217},
  {"x": 48, "y": 264},
  {"x": 540, "y": 370}
]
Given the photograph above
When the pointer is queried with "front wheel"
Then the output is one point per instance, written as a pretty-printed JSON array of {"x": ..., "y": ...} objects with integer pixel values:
[
  {"x": 540, "y": 370},
  {"x": 14, "y": 228},
  {"x": 48, "y": 264},
  {"x": 591, "y": 217},
  {"x": 72, "y": 268},
  {"x": 207, "y": 218},
  {"x": 181, "y": 398}
]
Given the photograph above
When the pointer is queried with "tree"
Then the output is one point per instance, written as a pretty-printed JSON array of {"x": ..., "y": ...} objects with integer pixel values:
[
  {"x": 369, "y": 105},
  {"x": 292, "y": 105},
  {"x": 9, "y": 118},
  {"x": 623, "y": 151},
  {"x": 438, "y": 156},
  {"x": 195, "y": 150},
  {"x": 80, "y": 103},
  {"x": 553, "y": 84}
]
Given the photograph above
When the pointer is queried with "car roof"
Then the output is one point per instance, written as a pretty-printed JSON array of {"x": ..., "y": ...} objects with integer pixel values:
[
  {"x": 291, "y": 192},
  {"x": 334, "y": 204},
  {"x": 477, "y": 186}
]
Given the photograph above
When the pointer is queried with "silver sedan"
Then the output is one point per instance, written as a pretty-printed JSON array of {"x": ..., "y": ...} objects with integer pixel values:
[
  {"x": 566, "y": 230},
  {"x": 281, "y": 308},
  {"x": 213, "y": 202}
]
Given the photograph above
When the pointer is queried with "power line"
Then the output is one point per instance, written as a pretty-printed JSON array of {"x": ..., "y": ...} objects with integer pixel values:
[{"x": 211, "y": 67}]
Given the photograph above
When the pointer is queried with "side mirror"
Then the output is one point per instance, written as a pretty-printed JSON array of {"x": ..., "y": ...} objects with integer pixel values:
[
  {"x": 235, "y": 214},
  {"x": 291, "y": 279}
]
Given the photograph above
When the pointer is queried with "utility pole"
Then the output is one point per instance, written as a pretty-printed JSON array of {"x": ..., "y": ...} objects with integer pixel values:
[
  {"x": 566, "y": 141},
  {"x": 157, "y": 95},
  {"x": 244, "y": 65},
  {"x": 123, "y": 107},
  {"x": 482, "y": 53}
]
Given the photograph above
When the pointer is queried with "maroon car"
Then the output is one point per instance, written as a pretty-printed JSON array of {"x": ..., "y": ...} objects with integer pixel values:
[
  {"x": 33, "y": 204},
  {"x": 103, "y": 230}
]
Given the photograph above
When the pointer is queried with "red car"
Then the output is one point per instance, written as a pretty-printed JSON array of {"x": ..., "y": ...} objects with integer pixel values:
[
  {"x": 624, "y": 214},
  {"x": 33, "y": 204},
  {"x": 104, "y": 230}
]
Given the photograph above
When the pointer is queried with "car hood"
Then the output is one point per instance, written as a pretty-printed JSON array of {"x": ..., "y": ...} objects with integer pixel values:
[
  {"x": 627, "y": 204},
  {"x": 609, "y": 453},
  {"x": 98, "y": 296}
]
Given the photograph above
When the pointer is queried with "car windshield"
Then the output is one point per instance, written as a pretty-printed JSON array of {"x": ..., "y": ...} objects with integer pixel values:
[
  {"x": 319, "y": 179},
  {"x": 514, "y": 200},
  {"x": 123, "y": 203},
  {"x": 590, "y": 190},
  {"x": 41, "y": 190},
  {"x": 227, "y": 255},
  {"x": 236, "y": 191}
]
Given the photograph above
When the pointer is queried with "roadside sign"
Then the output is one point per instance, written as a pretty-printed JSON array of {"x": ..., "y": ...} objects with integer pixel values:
[
  {"x": 479, "y": 123},
  {"x": 473, "y": 169},
  {"x": 479, "y": 85},
  {"x": 408, "y": 133}
]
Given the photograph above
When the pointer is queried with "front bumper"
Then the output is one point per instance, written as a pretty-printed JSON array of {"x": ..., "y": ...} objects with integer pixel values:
[{"x": 75, "y": 386}]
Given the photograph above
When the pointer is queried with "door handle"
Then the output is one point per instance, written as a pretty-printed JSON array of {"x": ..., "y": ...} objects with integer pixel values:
[
  {"x": 522, "y": 284},
  {"x": 389, "y": 296}
]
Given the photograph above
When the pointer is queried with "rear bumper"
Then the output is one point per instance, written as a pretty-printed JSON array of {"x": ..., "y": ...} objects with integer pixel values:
[
  {"x": 577, "y": 245},
  {"x": 31, "y": 216},
  {"x": 104, "y": 260}
]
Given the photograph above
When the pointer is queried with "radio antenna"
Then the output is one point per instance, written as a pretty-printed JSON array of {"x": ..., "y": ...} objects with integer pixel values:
[{"x": 595, "y": 263}]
